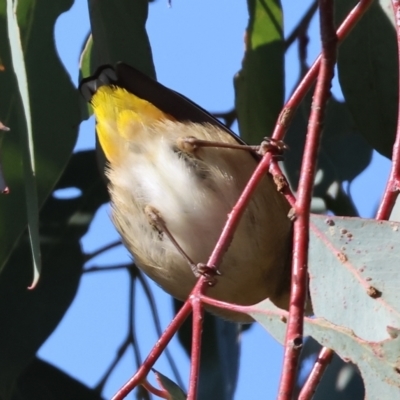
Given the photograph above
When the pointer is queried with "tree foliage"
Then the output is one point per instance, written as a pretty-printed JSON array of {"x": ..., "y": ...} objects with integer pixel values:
[{"x": 352, "y": 269}]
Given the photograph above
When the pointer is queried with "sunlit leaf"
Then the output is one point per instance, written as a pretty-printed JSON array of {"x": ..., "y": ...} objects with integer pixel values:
[
  {"x": 26, "y": 137},
  {"x": 259, "y": 85}
]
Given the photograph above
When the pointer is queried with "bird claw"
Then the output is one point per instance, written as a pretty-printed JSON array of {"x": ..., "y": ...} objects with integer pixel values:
[{"x": 208, "y": 271}]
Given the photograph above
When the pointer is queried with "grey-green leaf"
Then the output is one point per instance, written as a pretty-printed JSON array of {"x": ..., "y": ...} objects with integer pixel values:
[
  {"x": 353, "y": 273},
  {"x": 378, "y": 361},
  {"x": 354, "y": 285}
]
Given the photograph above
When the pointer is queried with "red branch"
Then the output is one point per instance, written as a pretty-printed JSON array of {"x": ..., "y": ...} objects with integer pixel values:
[
  {"x": 393, "y": 184},
  {"x": 294, "y": 332},
  {"x": 323, "y": 360},
  {"x": 196, "y": 348}
]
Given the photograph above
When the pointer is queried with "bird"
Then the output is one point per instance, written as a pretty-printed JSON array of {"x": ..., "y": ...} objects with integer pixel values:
[{"x": 174, "y": 174}]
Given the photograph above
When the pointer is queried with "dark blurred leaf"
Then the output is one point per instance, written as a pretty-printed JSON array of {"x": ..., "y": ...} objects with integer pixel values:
[
  {"x": 340, "y": 381},
  {"x": 54, "y": 110},
  {"x": 28, "y": 317},
  {"x": 368, "y": 73},
  {"x": 43, "y": 381},
  {"x": 119, "y": 33},
  {"x": 259, "y": 86},
  {"x": 343, "y": 155},
  {"x": 220, "y": 355},
  {"x": 171, "y": 387}
]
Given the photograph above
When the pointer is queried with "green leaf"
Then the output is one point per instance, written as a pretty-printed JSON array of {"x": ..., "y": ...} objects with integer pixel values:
[
  {"x": 85, "y": 70},
  {"x": 26, "y": 138},
  {"x": 368, "y": 73},
  {"x": 119, "y": 34},
  {"x": 259, "y": 86},
  {"x": 28, "y": 317},
  {"x": 343, "y": 154},
  {"x": 171, "y": 387},
  {"x": 54, "y": 111}
]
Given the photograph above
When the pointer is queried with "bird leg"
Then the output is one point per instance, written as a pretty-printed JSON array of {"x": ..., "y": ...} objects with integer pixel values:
[
  {"x": 190, "y": 144},
  {"x": 158, "y": 222}
]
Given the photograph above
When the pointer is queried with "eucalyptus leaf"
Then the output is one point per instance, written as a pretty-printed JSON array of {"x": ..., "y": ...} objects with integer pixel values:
[
  {"x": 368, "y": 72},
  {"x": 343, "y": 154},
  {"x": 28, "y": 317},
  {"x": 26, "y": 138},
  {"x": 353, "y": 274},
  {"x": 377, "y": 361},
  {"x": 259, "y": 85},
  {"x": 354, "y": 291},
  {"x": 54, "y": 111},
  {"x": 119, "y": 34}
]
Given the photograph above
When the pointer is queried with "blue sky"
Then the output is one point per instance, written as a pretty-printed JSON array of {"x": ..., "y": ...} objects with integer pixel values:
[{"x": 87, "y": 338}]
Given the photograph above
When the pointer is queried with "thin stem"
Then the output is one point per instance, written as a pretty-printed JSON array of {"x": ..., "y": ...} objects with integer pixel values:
[
  {"x": 130, "y": 337},
  {"x": 302, "y": 25},
  {"x": 110, "y": 268},
  {"x": 322, "y": 362},
  {"x": 158, "y": 348},
  {"x": 131, "y": 319},
  {"x": 281, "y": 182},
  {"x": 157, "y": 323},
  {"x": 120, "y": 353},
  {"x": 229, "y": 117},
  {"x": 103, "y": 249},
  {"x": 393, "y": 184},
  {"x": 294, "y": 332}
]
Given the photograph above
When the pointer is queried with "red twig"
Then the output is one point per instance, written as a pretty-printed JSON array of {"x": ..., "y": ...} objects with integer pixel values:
[
  {"x": 159, "y": 347},
  {"x": 280, "y": 179},
  {"x": 393, "y": 185},
  {"x": 294, "y": 333},
  {"x": 196, "y": 348},
  {"x": 160, "y": 393},
  {"x": 323, "y": 360}
]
